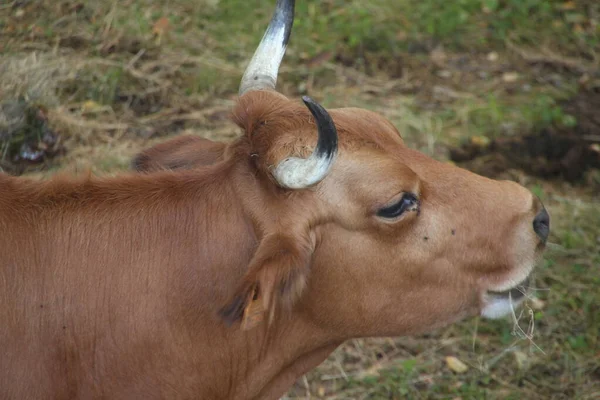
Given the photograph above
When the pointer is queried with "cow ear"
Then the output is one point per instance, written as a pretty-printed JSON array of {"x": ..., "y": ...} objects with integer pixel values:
[
  {"x": 276, "y": 278},
  {"x": 182, "y": 152}
]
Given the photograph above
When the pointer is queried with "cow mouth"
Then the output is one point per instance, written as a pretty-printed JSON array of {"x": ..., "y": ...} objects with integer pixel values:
[
  {"x": 515, "y": 293},
  {"x": 497, "y": 304}
]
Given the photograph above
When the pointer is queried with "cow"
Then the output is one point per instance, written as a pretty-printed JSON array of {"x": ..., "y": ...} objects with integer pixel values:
[{"x": 226, "y": 271}]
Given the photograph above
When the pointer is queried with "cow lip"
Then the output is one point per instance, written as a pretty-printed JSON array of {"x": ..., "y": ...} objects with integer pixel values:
[{"x": 516, "y": 292}]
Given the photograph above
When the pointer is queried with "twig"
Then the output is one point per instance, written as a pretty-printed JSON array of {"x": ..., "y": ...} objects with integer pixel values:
[
  {"x": 135, "y": 58},
  {"x": 132, "y": 71},
  {"x": 82, "y": 123},
  {"x": 549, "y": 57}
]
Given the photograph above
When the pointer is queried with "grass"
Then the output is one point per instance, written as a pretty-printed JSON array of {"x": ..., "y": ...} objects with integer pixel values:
[{"x": 114, "y": 77}]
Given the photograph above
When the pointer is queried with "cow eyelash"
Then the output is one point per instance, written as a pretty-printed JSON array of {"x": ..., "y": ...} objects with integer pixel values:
[{"x": 408, "y": 202}]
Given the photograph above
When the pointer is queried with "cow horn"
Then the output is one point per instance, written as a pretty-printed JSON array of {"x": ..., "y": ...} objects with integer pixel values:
[
  {"x": 261, "y": 73},
  {"x": 299, "y": 173}
]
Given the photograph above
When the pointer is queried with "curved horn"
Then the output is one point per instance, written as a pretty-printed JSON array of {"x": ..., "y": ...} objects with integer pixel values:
[
  {"x": 261, "y": 73},
  {"x": 299, "y": 173}
]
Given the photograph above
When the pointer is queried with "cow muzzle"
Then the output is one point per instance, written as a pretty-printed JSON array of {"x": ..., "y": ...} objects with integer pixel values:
[{"x": 497, "y": 304}]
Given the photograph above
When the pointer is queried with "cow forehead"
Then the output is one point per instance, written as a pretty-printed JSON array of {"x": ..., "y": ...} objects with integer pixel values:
[
  {"x": 273, "y": 123},
  {"x": 358, "y": 127}
]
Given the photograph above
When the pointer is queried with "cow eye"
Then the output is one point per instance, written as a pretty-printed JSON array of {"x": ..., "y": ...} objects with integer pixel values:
[{"x": 408, "y": 202}]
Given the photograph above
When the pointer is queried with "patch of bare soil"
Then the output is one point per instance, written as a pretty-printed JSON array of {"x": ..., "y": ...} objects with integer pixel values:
[{"x": 572, "y": 154}]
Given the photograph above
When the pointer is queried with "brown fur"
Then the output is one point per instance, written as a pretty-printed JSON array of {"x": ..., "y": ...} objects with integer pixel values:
[
  {"x": 116, "y": 287},
  {"x": 182, "y": 152}
]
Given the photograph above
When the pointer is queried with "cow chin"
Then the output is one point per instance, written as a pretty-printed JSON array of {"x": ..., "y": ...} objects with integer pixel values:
[{"x": 497, "y": 305}]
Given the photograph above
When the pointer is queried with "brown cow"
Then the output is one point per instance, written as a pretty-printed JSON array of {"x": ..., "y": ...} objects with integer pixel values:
[{"x": 246, "y": 266}]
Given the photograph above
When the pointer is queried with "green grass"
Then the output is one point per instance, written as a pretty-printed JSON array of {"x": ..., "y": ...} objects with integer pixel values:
[{"x": 480, "y": 82}]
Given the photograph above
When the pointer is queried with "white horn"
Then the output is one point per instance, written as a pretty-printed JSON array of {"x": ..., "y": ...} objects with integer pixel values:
[
  {"x": 261, "y": 73},
  {"x": 300, "y": 173}
]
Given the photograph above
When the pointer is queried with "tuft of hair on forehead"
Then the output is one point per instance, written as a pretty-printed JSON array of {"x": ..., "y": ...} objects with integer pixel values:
[
  {"x": 263, "y": 110},
  {"x": 278, "y": 127},
  {"x": 360, "y": 128},
  {"x": 274, "y": 126}
]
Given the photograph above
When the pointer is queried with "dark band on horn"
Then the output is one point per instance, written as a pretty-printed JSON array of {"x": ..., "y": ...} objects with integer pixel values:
[
  {"x": 283, "y": 18},
  {"x": 301, "y": 173},
  {"x": 328, "y": 139}
]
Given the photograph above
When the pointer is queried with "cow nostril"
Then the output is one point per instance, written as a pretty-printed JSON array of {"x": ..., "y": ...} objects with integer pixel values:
[{"x": 541, "y": 225}]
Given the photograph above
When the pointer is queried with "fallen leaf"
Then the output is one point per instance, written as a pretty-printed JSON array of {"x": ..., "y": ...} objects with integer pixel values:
[
  {"x": 160, "y": 28},
  {"x": 510, "y": 77},
  {"x": 373, "y": 370},
  {"x": 536, "y": 303},
  {"x": 492, "y": 56},
  {"x": 480, "y": 141},
  {"x": 438, "y": 56},
  {"x": 456, "y": 365},
  {"x": 90, "y": 106},
  {"x": 321, "y": 391}
]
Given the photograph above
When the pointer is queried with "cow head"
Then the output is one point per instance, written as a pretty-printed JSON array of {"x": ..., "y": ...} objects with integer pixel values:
[{"x": 357, "y": 231}]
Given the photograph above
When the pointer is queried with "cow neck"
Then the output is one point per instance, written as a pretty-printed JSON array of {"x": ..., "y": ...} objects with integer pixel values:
[
  {"x": 281, "y": 354},
  {"x": 271, "y": 358}
]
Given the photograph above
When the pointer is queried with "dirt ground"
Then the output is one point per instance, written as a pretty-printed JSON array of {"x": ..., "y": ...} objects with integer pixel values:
[{"x": 571, "y": 154}]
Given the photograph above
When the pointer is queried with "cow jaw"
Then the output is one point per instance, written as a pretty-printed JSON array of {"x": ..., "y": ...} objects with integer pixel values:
[
  {"x": 496, "y": 307},
  {"x": 498, "y": 304}
]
